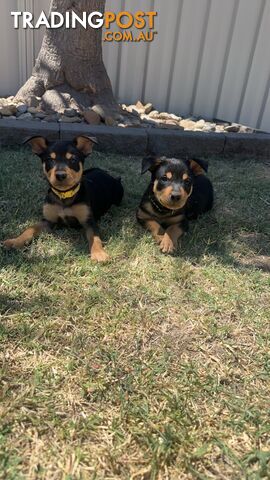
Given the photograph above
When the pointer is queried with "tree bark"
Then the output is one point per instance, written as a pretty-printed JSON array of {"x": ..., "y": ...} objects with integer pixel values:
[{"x": 69, "y": 70}]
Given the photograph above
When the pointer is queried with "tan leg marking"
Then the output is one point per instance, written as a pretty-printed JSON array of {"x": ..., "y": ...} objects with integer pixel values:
[
  {"x": 96, "y": 249},
  {"x": 170, "y": 238},
  {"x": 156, "y": 230},
  {"x": 26, "y": 236}
]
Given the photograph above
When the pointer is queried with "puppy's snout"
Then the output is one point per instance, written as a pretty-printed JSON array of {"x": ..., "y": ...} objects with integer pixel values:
[
  {"x": 175, "y": 197},
  {"x": 60, "y": 176}
]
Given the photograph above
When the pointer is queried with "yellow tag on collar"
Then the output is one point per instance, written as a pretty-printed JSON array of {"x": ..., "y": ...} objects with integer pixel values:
[{"x": 68, "y": 194}]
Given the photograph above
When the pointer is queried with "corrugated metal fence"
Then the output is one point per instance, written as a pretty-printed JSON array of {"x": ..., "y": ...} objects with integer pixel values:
[{"x": 210, "y": 57}]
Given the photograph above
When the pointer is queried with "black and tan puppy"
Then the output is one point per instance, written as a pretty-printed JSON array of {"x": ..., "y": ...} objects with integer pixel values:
[
  {"x": 179, "y": 191},
  {"x": 75, "y": 197}
]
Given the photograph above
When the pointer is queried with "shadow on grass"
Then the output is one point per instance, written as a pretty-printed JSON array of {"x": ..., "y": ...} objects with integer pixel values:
[{"x": 204, "y": 238}]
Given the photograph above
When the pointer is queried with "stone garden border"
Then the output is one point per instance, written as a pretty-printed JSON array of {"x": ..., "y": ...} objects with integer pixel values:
[{"x": 139, "y": 141}]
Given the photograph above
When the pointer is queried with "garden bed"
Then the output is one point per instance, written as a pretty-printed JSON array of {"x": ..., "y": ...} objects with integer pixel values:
[{"x": 144, "y": 116}]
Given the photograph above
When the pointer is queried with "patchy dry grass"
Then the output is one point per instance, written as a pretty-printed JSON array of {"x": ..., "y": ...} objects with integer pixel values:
[{"x": 149, "y": 367}]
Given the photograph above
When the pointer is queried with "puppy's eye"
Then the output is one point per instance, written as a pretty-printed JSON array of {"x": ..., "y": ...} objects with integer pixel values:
[{"x": 164, "y": 178}]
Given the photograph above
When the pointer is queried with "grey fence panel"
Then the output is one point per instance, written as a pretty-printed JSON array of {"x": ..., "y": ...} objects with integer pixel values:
[{"x": 9, "y": 52}]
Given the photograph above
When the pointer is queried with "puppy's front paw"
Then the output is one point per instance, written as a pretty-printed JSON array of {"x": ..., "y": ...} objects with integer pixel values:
[
  {"x": 166, "y": 244},
  {"x": 100, "y": 256},
  {"x": 13, "y": 243},
  {"x": 159, "y": 238}
]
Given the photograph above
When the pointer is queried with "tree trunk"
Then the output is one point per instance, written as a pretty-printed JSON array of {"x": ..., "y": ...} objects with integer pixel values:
[{"x": 69, "y": 70}]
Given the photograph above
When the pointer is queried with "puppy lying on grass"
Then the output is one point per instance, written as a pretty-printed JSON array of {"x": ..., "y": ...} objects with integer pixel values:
[
  {"x": 179, "y": 191},
  {"x": 76, "y": 198}
]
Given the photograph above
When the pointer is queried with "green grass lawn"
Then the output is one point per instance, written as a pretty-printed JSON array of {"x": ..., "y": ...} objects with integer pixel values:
[{"x": 150, "y": 366}]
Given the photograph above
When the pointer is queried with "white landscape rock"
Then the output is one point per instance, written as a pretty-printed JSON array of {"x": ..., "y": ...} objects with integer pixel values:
[
  {"x": 200, "y": 124},
  {"x": 8, "y": 110},
  {"x": 139, "y": 107},
  {"x": 154, "y": 114},
  {"x": 187, "y": 124},
  {"x": 148, "y": 108},
  {"x": 219, "y": 129},
  {"x": 209, "y": 127},
  {"x": 165, "y": 116},
  {"x": 175, "y": 117},
  {"x": 134, "y": 109}
]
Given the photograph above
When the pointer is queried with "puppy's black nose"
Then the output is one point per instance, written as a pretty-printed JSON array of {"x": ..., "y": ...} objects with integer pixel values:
[
  {"x": 175, "y": 197},
  {"x": 61, "y": 176}
]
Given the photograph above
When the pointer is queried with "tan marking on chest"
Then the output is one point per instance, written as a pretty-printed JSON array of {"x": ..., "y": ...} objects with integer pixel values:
[
  {"x": 173, "y": 220},
  {"x": 81, "y": 212},
  {"x": 53, "y": 212}
]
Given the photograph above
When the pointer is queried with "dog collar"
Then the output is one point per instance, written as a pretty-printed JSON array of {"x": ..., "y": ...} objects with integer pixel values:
[
  {"x": 67, "y": 194},
  {"x": 162, "y": 209}
]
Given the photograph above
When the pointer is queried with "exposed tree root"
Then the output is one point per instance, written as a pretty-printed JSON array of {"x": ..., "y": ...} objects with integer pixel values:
[
  {"x": 33, "y": 87},
  {"x": 63, "y": 97}
]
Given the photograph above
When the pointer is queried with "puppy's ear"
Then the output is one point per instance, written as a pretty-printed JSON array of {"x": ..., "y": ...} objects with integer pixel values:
[
  {"x": 39, "y": 144},
  {"x": 198, "y": 166},
  {"x": 85, "y": 144},
  {"x": 151, "y": 162}
]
